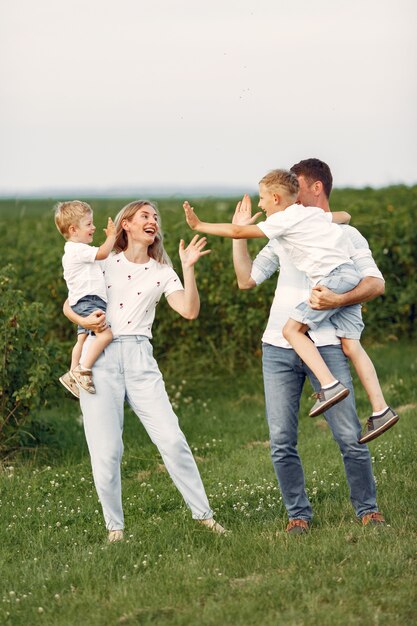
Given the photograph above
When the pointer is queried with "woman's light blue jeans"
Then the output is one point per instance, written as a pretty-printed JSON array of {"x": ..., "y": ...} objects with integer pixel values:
[
  {"x": 284, "y": 376},
  {"x": 126, "y": 370}
]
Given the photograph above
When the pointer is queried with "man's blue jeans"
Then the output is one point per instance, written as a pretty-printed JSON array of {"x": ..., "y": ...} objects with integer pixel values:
[{"x": 284, "y": 375}]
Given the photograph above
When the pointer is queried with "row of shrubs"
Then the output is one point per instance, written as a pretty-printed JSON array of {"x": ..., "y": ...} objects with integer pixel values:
[{"x": 36, "y": 338}]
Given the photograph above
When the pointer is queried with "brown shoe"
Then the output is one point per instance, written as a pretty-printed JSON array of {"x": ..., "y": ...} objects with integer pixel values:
[
  {"x": 297, "y": 527},
  {"x": 373, "y": 519}
]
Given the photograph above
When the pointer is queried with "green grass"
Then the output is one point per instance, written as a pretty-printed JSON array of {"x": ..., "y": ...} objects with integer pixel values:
[{"x": 56, "y": 568}]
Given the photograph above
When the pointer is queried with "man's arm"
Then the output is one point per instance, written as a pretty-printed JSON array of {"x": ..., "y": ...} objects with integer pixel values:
[
  {"x": 242, "y": 262},
  {"x": 250, "y": 273},
  {"x": 369, "y": 288},
  {"x": 341, "y": 217}
]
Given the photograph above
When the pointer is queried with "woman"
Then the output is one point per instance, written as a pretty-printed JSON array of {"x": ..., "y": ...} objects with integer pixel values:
[{"x": 136, "y": 277}]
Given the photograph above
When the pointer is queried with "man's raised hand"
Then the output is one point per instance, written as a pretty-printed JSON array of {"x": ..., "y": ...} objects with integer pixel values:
[
  {"x": 243, "y": 212},
  {"x": 190, "y": 216}
]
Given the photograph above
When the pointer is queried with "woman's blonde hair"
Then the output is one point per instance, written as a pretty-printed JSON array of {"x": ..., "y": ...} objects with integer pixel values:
[{"x": 156, "y": 250}]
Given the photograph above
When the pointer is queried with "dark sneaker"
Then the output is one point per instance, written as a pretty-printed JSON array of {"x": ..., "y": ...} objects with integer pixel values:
[
  {"x": 297, "y": 527},
  {"x": 69, "y": 383},
  {"x": 376, "y": 425},
  {"x": 328, "y": 397},
  {"x": 373, "y": 519}
]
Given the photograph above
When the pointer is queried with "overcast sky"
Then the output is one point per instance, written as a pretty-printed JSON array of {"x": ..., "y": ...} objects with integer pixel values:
[{"x": 104, "y": 94}]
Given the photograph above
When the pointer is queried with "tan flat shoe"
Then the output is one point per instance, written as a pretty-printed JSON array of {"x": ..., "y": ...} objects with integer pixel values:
[
  {"x": 115, "y": 535},
  {"x": 212, "y": 525}
]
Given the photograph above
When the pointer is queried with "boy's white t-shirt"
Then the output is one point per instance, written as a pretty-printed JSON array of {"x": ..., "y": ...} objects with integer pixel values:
[
  {"x": 133, "y": 291},
  {"x": 294, "y": 286},
  {"x": 311, "y": 241},
  {"x": 82, "y": 273}
]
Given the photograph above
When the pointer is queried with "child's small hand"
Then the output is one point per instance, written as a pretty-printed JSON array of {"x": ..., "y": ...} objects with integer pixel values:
[
  {"x": 190, "y": 216},
  {"x": 111, "y": 228}
]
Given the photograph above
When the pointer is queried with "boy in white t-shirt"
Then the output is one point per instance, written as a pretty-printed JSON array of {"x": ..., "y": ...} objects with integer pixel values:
[
  {"x": 86, "y": 286},
  {"x": 319, "y": 248}
]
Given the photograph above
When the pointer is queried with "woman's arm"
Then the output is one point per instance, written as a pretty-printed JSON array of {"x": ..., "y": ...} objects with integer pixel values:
[
  {"x": 95, "y": 321},
  {"x": 187, "y": 301}
]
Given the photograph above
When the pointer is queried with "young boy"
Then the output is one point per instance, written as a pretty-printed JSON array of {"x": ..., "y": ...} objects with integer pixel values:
[
  {"x": 317, "y": 247},
  {"x": 85, "y": 282}
]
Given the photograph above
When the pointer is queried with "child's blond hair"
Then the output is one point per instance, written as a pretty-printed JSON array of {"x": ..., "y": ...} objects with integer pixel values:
[
  {"x": 70, "y": 213},
  {"x": 277, "y": 180}
]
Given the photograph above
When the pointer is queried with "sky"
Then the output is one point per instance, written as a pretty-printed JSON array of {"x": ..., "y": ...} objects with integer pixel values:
[{"x": 105, "y": 95}]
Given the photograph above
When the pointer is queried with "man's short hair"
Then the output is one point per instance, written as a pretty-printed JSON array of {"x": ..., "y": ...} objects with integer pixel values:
[{"x": 313, "y": 170}]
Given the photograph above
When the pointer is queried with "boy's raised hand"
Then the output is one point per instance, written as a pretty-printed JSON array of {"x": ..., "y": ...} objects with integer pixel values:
[
  {"x": 190, "y": 216},
  {"x": 243, "y": 212},
  {"x": 111, "y": 228}
]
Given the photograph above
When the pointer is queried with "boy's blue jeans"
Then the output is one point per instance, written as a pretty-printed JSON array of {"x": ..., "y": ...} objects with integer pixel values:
[
  {"x": 284, "y": 375},
  {"x": 87, "y": 305}
]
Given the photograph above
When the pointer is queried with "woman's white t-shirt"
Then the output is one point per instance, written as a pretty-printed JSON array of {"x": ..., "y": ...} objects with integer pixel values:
[{"x": 133, "y": 291}]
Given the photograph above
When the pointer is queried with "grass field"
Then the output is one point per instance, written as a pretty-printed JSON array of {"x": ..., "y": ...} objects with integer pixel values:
[{"x": 56, "y": 568}]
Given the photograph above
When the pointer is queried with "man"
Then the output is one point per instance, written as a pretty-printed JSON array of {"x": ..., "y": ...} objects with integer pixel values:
[{"x": 283, "y": 371}]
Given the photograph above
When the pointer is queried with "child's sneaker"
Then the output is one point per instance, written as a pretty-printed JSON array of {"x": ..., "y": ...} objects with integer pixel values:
[
  {"x": 378, "y": 424},
  {"x": 69, "y": 383},
  {"x": 328, "y": 397},
  {"x": 84, "y": 379}
]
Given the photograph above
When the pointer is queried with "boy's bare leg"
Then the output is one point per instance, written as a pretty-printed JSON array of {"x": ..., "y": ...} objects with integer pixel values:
[
  {"x": 366, "y": 372},
  {"x": 294, "y": 333},
  {"x": 77, "y": 350},
  {"x": 96, "y": 348}
]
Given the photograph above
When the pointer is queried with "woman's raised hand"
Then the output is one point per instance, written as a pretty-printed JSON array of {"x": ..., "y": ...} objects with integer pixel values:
[{"x": 189, "y": 255}]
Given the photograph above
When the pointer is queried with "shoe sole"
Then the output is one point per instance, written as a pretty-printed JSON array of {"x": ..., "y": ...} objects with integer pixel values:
[
  {"x": 326, "y": 405},
  {"x": 379, "y": 431},
  {"x": 68, "y": 388}
]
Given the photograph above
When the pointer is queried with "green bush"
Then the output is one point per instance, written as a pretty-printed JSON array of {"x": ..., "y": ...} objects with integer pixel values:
[
  {"x": 231, "y": 322},
  {"x": 27, "y": 361},
  {"x": 386, "y": 217}
]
